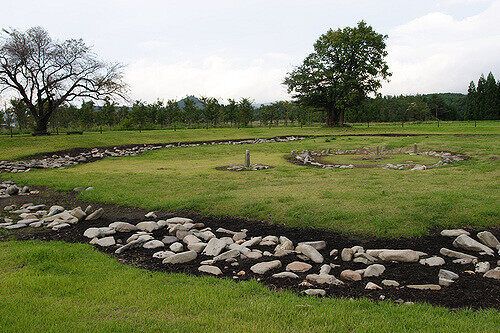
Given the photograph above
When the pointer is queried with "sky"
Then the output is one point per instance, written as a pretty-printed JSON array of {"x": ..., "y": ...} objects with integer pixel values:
[{"x": 244, "y": 48}]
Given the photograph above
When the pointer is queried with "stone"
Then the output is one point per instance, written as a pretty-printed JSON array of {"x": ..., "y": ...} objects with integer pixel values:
[
  {"x": 264, "y": 267},
  {"x": 78, "y": 213},
  {"x": 95, "y": 215},
  {"x": 467, "y": 243},
  {"x": 225, "y": 231},
  {"x": 334, "y": 253},
  {"x": 364, "y": 258},
  {"x": 399, "y": 255},
  {"x": 253, "y": 255},
  {"x": 214, "y": 270},
  {"x": 252, "y": 242},
  {"x": 390, "y": 283},
  {"x": 60, "y": 226},
  {"x": 325, "y": 269},
  {"x": 488, "y": 239},
  {"x": 424, "y": 286},
  {"x": 151, "y": 215},
  {"x": 445, "y": 282},
  {"x": 191, "y": 239},
  {"x": 106, "y": 241},
  {"x": 374, "y": 270},
  {"x": 176, "y": 247},
  {"x": 180, "y": 258},
  {"x": 153, "y": 244},
  {"x": 123, "y": 227},
  {"x": 446, "y": 274},
  {"x": 492, "y": 274},
  {"x": 214, "y": 247},
  {"x": 98, "y": 232},
  {"x": 206, "y": 235},
  {"x": 163, "y": 254},
  {"x": 314, "y": 292},
  {"x": 323, "y": 279},
  {"x": 227, "y": 255},
  {"x": 350, "y": 275},
  {"x": 372, "y": 286},
  {"x": 454, "y": 232},
  {"x": 432, "y": 261},
  {"x": 197, "y": 247},
  {"x": 482, "y": 267},
  {"x": 454, "y": 254},
  {"x": 12, "y": 190},
  {"x": 148, "y": 226},
  {"x": 178, "y": 220},
  {"x": 285, "y": 275},
  {"x": 346, "y": 254},
  {"x": 15, "y": 226},
  {"x": 167, "y": 240},
  {"x": 310, "y": 252},
  {"x": 463, "y": 261},
  {"x": 239, "y": 236},
  {"x": 318, "y": 245}
]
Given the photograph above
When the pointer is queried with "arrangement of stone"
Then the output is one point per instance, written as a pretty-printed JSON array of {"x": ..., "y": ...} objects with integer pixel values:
[
  {"x": 8, "y": 188},
  {"x": 313, "y": 158},
  {"x": 248, "y": 166},
  {"x": 307, "y": 265},
  {"x": 63, "y": 160}
]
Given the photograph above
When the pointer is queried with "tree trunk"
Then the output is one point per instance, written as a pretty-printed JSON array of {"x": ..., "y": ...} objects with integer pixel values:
[
  {"x": 41, "y": 126},
  {"x": 332, "y": 117}
]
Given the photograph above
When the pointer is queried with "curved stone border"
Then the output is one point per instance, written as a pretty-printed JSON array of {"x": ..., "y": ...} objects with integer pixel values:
[
  {"x": 241, "y": 167},
  {"x": 313, "y": 266},
  {"x": 313, "y": 158},
  {"x": 78, "y": 156}
]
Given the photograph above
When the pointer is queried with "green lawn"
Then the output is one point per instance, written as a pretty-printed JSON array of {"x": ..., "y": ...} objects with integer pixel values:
[
  {"x": 58, "y": 287},
  {"x": 24, "y": 145},
  {"x": 358, "y": 159},
  {"x": 374, "y": 201}
]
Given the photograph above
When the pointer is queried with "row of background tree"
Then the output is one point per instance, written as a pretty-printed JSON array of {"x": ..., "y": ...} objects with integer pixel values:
[{"x": 482, "y": 102}]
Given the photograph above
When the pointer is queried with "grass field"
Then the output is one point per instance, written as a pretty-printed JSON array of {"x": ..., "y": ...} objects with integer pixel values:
[
  {"x": 57, "y": 287},
  {"x": 24, "y": 145},
  {"x": 373, "y": 201}
]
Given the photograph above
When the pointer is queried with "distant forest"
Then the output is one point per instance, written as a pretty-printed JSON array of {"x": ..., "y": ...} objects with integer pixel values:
[{"x": 481, "y": 103}]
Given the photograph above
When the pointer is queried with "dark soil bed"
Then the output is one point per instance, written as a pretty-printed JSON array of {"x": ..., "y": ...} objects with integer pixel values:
[{"x": 469, "y": 291}]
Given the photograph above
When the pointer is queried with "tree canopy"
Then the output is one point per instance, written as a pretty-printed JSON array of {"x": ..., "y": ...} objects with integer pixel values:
[
  {"x": 46, "y": 73},
  {"x": 346, "y": 65}
]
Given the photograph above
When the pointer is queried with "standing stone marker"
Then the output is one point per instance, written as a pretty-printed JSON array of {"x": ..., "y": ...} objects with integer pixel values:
[{"x": 247, "y": 159}]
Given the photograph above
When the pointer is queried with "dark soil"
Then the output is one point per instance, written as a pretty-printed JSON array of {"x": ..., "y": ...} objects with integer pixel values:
[{"x": 469, "y": 291}]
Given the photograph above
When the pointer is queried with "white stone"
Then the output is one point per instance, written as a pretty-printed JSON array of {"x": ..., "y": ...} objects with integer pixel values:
[
  {"x": 285, "y": 275},
  {"x": 315, "y": 292},
  {"x": 390, "y": 283},
  {"x": 106, "y": 241},
  {"x": 214, "y": 270},
  {"x": 454, "y": 254},
  {"x": 95, "y": 215},
  {"x": 446, "y": 274},
  {"x": 123, "y": 227},
  {"x": 482, "y": 267},
  {"x": 163, "y": 254},
  {"x": 346, "y": 254},
  {"x": 399, "y": 255},
  {"x": 424, "y": 286},
  {"x": 264, "y": 267},
  {"x": 488, "y": 239},
  {"x": 214, "y": 247},
  {"x": 372, "y": 286},
  {"x": 374, "y": 270},
  {"x": 318, "y": 245},
  {"x": 180, "y": 258},
  {"x": 176, "y": 247},
  {"x": 310, "y": 252},
  {"x": 467, "y": 243},
  {"x": 197, "y": 247},
  {"x": 454, "y": 232},
  {"x": 148, "y": 226},
  {"x": 432, "y": 261},
  {"x": 227, "y": 255},
  {"x": 153, "y": 244},
  {"x": 298, "y": 266},
  {"x": 323, "y": 279}
]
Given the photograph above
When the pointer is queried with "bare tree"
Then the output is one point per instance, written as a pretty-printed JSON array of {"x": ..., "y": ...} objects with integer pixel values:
[{"x": 46, "y": 73}]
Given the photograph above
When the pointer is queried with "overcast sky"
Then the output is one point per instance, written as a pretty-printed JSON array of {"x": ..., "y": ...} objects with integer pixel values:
[{"x": 235, "y": 48}]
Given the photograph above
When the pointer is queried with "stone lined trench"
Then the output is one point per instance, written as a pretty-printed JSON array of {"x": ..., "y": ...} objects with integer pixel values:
[{"x": 451, "y": 268}]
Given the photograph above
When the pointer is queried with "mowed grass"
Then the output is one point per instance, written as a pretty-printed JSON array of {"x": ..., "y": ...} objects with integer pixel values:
[
  {"x": 58, "y": 287},
  {"x": 373, "y": 202},
  {"x": 24, "y": 145},
  {"x": 359, "y": 159}
]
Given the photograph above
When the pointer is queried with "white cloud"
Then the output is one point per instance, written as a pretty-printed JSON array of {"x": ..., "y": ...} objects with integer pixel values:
[
  {"x": 437, "y": 53},
  {"x": 215, "y": 76}
]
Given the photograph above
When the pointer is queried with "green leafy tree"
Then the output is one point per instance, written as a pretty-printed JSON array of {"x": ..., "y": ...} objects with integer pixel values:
[
  {"x": 230, "y": 112},
  {"x": 22, "y": 115},
  {"x": 138, "y": 115},
  {"x": 245, "y": 112},
  {"x": 346, "y": 65}
]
